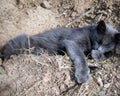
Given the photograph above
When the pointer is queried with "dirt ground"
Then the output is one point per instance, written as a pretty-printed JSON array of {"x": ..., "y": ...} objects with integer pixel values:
[{"x": 44, "y": 75}]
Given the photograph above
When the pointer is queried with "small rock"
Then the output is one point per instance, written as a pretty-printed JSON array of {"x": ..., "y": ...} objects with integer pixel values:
[
  {"x": 100, "y": 82},
  {"x": 115, "y": 91},
  {"x": 46, "y": 4},
  {"x": 98, "y": 18},
  {"x": 118, "y": 77},
  {"x": 110, "y": 11},
  {"x": 107, "y": 85}
]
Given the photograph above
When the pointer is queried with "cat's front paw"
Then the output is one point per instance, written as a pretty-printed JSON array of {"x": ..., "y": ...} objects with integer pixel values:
[
  {"x": 97, "y": 55},
  {"x": 82, "y": 75}
]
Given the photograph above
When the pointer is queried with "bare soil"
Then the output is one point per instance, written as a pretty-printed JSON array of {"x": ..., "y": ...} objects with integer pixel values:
[{"x": 44, "y": 75}]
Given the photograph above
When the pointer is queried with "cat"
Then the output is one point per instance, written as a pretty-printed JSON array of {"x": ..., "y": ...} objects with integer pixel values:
[{"x": 96, "y": 39}]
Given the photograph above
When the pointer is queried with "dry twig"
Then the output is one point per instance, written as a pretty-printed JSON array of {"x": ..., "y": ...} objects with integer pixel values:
[{"x": 77, "y": 18}]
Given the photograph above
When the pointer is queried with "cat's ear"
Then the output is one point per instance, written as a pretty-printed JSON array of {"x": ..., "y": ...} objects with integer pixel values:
[
  {"x": 101, "y": 27},
  {"x": 117, "y": 37}
]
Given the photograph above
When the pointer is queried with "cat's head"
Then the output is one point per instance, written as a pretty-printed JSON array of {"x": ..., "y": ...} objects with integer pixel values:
[{"x": 107, "y": 37}]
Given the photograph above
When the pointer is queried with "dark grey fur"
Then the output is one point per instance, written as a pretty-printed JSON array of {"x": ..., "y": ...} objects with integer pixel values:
[{"x": 95, "y": 39}]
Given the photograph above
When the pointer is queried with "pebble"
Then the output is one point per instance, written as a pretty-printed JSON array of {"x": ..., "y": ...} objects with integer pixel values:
[
  {"x": 46, "y": 4},
  {"x": 110, "y": 11},
  {"x": 107, "y": 85},
  {"x": 98, "y": 17},
  {"x": 100, "y": 82}
]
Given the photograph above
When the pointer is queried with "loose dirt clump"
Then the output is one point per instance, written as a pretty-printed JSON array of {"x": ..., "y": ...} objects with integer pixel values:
[{"x": 44, "y": 75}]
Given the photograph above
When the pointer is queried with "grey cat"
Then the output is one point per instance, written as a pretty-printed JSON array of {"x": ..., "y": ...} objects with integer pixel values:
[{"x": 96, "y": 39}]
